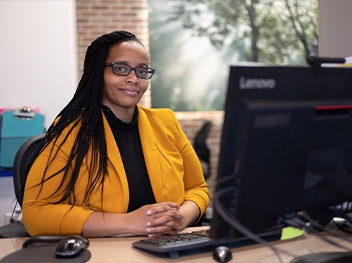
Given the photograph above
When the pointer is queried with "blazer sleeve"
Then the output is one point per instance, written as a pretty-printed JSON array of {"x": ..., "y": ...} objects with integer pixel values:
[
  {"x": 196, "y": 189},
  {"x": 176, "y": 174},
  {"x": 40, "y": 215}
]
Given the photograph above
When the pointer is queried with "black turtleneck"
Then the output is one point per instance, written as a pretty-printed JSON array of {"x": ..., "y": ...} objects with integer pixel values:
[{"x": 130, "y": 147}]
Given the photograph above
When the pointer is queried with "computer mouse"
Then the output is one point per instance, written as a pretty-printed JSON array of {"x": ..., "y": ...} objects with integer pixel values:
[
  {"x": 71, "y": 246},
  {"x": 222, "y": 254}
]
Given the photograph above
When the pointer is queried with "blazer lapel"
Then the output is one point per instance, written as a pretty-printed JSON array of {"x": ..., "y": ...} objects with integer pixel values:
[
  {"x": 151, "y": 156},
  {"x": 116, "y": 160}
]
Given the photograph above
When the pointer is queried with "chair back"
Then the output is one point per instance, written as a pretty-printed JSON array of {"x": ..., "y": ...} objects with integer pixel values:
[
  {"x": 201, "y": 148},
  {"x": 23, "y": 161}
]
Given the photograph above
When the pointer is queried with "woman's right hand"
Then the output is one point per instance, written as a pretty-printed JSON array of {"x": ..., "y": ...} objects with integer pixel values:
[
  {"x": 157, "y": 219},
  {"x": 153, "y": 220}
]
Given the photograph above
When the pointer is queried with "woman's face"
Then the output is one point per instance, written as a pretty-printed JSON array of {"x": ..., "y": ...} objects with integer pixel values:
[{"x": 122, "y": 93}]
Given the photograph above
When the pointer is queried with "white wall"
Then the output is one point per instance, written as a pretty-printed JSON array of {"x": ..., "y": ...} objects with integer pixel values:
[
  {"x": 38, "y": 54},
  {"x": 38, "y": 63},
  {"x": 335, "y": 23}
]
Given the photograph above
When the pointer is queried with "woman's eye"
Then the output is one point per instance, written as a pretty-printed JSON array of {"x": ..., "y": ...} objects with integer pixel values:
[
  {"x": 143, "y": 71},
  {"x": 120, "y": 69}
]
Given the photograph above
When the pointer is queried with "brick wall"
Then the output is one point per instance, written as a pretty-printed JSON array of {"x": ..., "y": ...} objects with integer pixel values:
[{"x": 97, "y": 17}]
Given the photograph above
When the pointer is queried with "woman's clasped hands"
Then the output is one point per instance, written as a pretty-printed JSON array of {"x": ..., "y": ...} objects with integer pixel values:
[{"x": 159, "y": 219}]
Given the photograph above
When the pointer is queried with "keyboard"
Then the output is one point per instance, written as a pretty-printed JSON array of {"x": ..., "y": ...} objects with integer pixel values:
[
  {"x": 173, "y": 243},
  {"x": 194, "y": 242}
]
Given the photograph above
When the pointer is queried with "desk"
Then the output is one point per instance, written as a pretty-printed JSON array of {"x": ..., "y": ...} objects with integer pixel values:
[{"x": 119, "y": 249}]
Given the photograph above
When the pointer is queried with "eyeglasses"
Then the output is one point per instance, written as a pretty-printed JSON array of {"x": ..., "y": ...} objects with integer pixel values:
[{"x": 124, "y": 70}]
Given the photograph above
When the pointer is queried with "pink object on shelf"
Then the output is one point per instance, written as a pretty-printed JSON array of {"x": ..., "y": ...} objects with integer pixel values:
[{"x": 34, "y": 109}]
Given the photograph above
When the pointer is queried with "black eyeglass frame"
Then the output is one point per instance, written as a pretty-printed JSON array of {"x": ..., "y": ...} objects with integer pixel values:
[{"x": 151, "y": 71}]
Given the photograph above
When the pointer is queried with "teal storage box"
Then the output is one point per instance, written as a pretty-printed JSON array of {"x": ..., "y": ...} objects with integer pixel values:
[{"x": 16, "y": 128}]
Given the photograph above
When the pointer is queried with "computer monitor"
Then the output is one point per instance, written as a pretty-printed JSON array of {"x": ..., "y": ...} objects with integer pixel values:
[{"x": 286, "y": 147}]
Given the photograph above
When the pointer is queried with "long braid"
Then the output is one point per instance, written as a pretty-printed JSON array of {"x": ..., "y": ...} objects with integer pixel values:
[{"x": 85, "y": 108}]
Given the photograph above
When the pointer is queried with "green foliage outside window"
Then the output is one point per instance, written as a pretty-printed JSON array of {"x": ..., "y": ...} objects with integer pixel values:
[{"x": 193, "y": 42}]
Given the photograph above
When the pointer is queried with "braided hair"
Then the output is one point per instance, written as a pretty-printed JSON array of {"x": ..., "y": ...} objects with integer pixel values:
[{"x": 85, "y": 109}]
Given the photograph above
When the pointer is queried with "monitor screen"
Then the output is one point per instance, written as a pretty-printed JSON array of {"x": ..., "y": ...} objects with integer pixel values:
[{"x": 286, "y": 147}]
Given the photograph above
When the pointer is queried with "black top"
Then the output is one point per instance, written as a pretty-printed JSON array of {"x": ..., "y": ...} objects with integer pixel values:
[{"x": 130, "y": 147}]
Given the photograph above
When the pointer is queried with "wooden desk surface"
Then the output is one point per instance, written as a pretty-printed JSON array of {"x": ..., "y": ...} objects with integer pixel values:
[{"x": 119, "y": 249}]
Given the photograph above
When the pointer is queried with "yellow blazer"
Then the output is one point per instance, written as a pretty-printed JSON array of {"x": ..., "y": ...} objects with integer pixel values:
[{"x": 174, "y": 170}]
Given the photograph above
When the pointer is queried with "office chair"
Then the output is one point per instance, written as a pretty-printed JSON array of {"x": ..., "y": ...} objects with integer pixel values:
[
  {"x": 201, "y": 148},
  {"x": 23, "y": 160},
  {"x": 203, "y": 152}
]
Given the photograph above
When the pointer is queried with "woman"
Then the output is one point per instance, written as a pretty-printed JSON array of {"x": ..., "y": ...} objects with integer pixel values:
[{"x": 109, "y": 166}]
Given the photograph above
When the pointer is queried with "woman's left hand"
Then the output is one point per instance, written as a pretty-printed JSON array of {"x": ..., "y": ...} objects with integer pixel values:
[{"x": 164, "y": 218}]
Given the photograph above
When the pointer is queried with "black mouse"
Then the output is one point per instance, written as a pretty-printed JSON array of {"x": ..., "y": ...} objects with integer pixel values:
[
  {"x": 222, "y": 254},
  {"x": 71, "y": 246}
]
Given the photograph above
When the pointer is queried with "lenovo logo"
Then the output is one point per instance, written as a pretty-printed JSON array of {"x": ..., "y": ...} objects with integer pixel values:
[{"x": 257, "y": 83}]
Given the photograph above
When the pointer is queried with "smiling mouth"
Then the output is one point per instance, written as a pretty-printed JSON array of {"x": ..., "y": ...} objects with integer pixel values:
[{"x": 129, "y": 91}]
